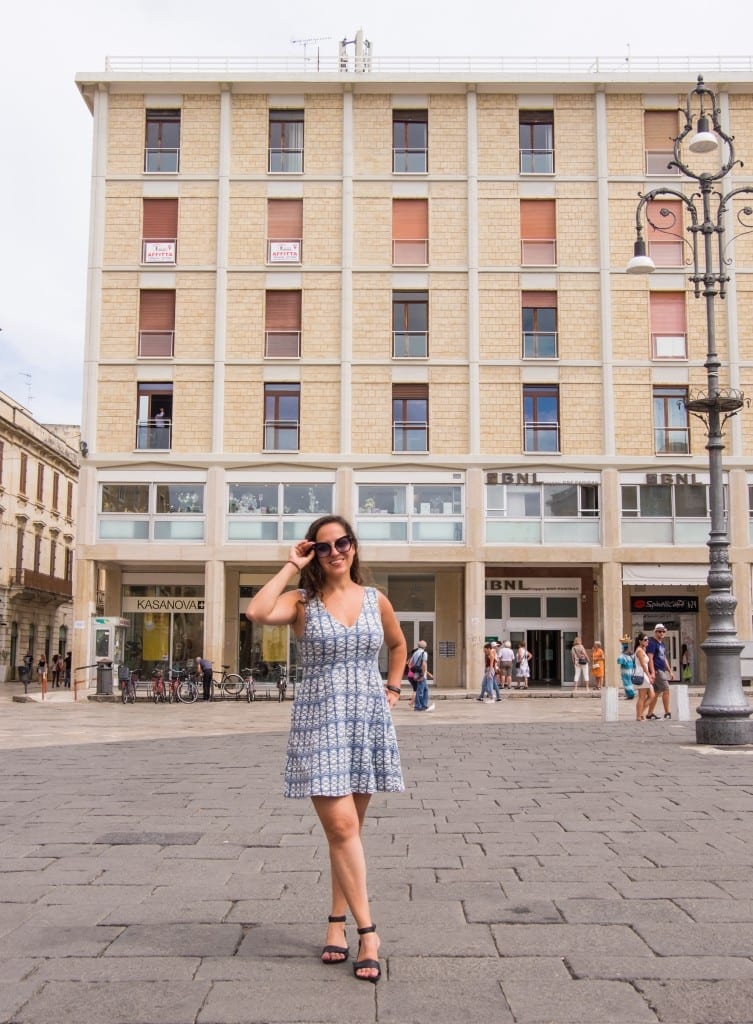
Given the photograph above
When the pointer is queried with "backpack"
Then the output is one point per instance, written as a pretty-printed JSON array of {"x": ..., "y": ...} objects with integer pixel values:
[{"x": 415, "y": 663}]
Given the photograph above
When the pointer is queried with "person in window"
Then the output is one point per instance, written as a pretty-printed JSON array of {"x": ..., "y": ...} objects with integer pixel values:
[{"x": 342, "y": 746}]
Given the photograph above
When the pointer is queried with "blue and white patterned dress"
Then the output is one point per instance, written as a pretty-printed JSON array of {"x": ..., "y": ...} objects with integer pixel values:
[{"x": 342, "y": 739}]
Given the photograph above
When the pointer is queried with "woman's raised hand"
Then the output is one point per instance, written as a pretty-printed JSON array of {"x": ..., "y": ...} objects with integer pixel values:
[{"x": 301, "y": 553}]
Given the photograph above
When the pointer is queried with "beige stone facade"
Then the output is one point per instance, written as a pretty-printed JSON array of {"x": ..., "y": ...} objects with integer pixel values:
[
  {"x": 487, "y": 409},
  {"x": 38, "y": 483}
]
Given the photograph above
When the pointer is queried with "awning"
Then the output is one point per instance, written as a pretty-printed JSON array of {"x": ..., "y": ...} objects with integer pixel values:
[{"x": 664, "y": 575}]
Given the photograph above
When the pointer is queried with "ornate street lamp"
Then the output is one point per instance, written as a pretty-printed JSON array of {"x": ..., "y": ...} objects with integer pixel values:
[{"x": 724, "y": 711}]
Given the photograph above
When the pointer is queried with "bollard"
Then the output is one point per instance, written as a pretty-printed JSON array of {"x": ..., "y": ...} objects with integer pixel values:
[
  {"x": 610, "y": 706},
  {"x": 679, "y": 702}
]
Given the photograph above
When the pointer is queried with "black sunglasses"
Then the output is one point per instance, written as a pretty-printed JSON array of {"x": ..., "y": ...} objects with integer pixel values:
[{"x": 342, "y": 545}]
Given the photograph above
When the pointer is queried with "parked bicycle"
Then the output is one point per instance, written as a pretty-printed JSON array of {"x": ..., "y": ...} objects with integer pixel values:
[
  {"x": 230, "y": 684},
  {"x": 188, "y": 689},
  {"x": 127, "y": 682},
  {"x": 158, "y": 689}
]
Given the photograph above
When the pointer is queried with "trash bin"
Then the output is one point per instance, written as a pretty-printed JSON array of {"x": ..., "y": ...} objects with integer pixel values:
[{"x": 104, "y": 677}]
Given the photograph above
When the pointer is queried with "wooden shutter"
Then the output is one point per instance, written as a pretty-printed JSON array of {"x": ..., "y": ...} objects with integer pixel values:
[
  {"x": 406, "y": 391},
  {"x": 410, "y": 219},
  {"x": 660, "y": 129},
  {"x": 283, "y": 311},
  {"x": 668, "y": 313},
  {"x": 284, "y": 219},
  {"x": 538, "y": 219},
  {"x": 157, "y": 310},
  {"x": 160, "y": 218},
  {"x": 539, "y": 300}
]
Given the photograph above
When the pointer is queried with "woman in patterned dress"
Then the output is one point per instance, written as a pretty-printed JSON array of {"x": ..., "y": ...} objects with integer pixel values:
[{"x": 342, "y": 745}]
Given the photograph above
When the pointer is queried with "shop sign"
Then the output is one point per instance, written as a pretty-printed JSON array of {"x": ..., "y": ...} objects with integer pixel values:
[
  {"x": 163, "y": 604},
  {"x": 545, "y": 585},
  {"x": 671, "y": 603}
]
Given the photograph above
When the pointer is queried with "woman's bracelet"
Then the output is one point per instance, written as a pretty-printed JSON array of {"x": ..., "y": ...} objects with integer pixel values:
[
  {"x": 393, "y": 689},
  {"x": 291, "y": 562}
]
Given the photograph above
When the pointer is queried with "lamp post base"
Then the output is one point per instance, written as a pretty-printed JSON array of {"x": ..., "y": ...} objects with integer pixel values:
[{"x": 724, "y": 732}]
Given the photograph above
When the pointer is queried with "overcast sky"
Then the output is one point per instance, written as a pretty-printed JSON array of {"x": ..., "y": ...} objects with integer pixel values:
[{"x": 46, "y": 156}]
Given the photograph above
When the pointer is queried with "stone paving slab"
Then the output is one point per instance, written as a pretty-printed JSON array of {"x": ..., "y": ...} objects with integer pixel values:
[{"x": 535, "y": 871}]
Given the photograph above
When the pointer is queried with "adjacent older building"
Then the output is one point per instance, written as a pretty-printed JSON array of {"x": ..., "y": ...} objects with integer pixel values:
[
  {"x": 38, "y": 484},
  {"x": 400, "y": 295}
]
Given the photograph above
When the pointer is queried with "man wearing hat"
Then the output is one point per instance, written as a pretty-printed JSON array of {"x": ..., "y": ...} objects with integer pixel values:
[{"x": 658, "y": 663}]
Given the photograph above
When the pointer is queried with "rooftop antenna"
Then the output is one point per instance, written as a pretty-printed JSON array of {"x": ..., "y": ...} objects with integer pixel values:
[
  {"x": 29, "y": 396},
  {"x": 305, "y": 42}
]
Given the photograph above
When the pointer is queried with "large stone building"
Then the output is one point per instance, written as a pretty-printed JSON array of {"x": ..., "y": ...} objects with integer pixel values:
[
  {"x": 401, "y": 296},
  {"x": 38, "y": 484}
]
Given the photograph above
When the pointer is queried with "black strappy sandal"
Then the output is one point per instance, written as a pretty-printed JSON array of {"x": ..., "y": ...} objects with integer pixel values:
[
  {"x": 342, "y": 951},
  {"x": 360, "y": 965}
]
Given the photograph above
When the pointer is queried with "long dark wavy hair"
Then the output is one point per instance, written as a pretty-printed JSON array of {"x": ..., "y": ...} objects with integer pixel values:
[{"x": 312, "y": 575}]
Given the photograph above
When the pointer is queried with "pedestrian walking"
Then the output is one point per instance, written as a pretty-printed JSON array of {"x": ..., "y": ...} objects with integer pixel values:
[
  {"x": 421, "y": 676},
  {"x": 597, "y": 664},
  {"x": 580, "y": 664},
  {"x": 522, "y": 666},
  {"x": 643, "y": 678}
]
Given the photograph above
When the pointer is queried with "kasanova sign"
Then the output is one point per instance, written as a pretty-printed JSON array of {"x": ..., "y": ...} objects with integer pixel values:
[{"x": 163, "y": 604}]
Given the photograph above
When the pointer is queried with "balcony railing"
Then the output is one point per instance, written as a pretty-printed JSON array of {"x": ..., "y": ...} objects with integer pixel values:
[
  {"x": 537, "y": 161},
  {"x": 410, "y": 436},
  {"x": 29, "y": 579},
  {"x": 281, "y": 435},
  {"x": 154, "y": 434},
  {"x": 538, "y": 252},
  {"x": 410, "y": 344},
  {"x": 282, "y": 344},
  {"x": 409, "y": 161},
  {"x": 159, "y": 250},
  {"x": 285, "y": 161},
  {"x": 541, "y": 436},
  {"x": 161, "y": 161},
  {"x": 156, "y": 344},
  {"x": 410, "y": 252},
  {"x": 539, "y": 344},
  {"x": 284, "y": 250}
]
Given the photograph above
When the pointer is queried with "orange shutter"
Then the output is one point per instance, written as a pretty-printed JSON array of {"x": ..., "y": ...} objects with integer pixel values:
[
  {"x": 157, "y": 311},
  {"x": 283, "y": 311},
  {"x": 160, "y": 218},
  {"x": 672, "y": 224},
  {"x": 410, "y": 219},
  {"x": 667, "y": 313},
  {"x": 539, "y": 300},
  {"x": 538, "y": 219},
  {"x": 284, "y": 219},
  {"x": 660, "y": 129}
]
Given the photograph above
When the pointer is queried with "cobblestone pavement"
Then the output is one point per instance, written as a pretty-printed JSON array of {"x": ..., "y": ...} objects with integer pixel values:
[{"x": 541, "y": 867}]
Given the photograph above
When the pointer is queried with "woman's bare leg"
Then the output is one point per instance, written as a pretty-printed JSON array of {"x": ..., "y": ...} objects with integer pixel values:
[{"x": 342, "y": 818}]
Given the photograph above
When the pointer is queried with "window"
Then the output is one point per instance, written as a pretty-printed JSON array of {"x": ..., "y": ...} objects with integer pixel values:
[
  {"x": 664, "y": 232},
  {"x": 410, "y": 325},
  {"x": 275, "y": 511},
  {"x": 286, "y": 141},
  {"x": 156, "y": 323},
  {"x": 410, "y": 417},
  {"x": 154, "y": 417},
  {"x": 37, "y": 551},
  {"x": 282, "y": 325},
  {"x": 539, "y": 325},
  {"x": 659, "y": 133},
  {"x": 667, "y": 313},
  {"x": 159, "y": 233},
  {"x": 554, "y": 513},
  {"x": 541, "y": 430},
  {"x": 536, "y": 140},
  {"x": 284, "y": 230},
  {"x": 2, "y": 452},
  {"x": 410, "y": 232},
  {"x": 162, "y": 152},
  {"x": 426, "y": 512},
  {"x": 281, "y": 417},
  {"x": 19, "y": 550},
  {"x": 40, "y": 483},
  {"x": 671, "y": 432},
  {"x": 538, "y": 232},
  {"x": 665, "y": 513},
  {"x": 23, "y": 465},
  {"x": 55, "y": 492},
  {"x": 69, "y": 501},
  {"x": 53, "y": 555},
  {"x": 410, "y": 130},
  {"x": 157, "y": 511},
  {"x": 68, "y": 570}
]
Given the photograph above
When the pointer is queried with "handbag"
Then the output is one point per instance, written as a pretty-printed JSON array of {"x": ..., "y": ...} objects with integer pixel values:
[
  {"x": 582, "y": 661},
  {"x": 687, "y": 674}
]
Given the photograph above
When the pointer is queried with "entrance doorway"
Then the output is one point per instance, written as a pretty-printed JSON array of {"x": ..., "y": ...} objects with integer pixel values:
[
  {"x": 416, "y": 626},
  {"x": 545, "y": 646}
]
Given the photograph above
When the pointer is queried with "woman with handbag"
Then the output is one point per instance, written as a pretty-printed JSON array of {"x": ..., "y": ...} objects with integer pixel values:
[
  {"x": 642, "y": 679},
  {"x": 580, "y": 664}
]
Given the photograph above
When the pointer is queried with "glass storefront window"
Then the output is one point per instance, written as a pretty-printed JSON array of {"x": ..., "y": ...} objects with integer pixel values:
[
  {"x": 307, "y": 499},
  {"x": 436, "y": 500},
  {"x": 374, "y": 498},
  {"x": 182, "y": 498},
  {"x": 256, "y": 499},
  {"x": 525, "y": 607},
  {"x": 124, "y": 498}
]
